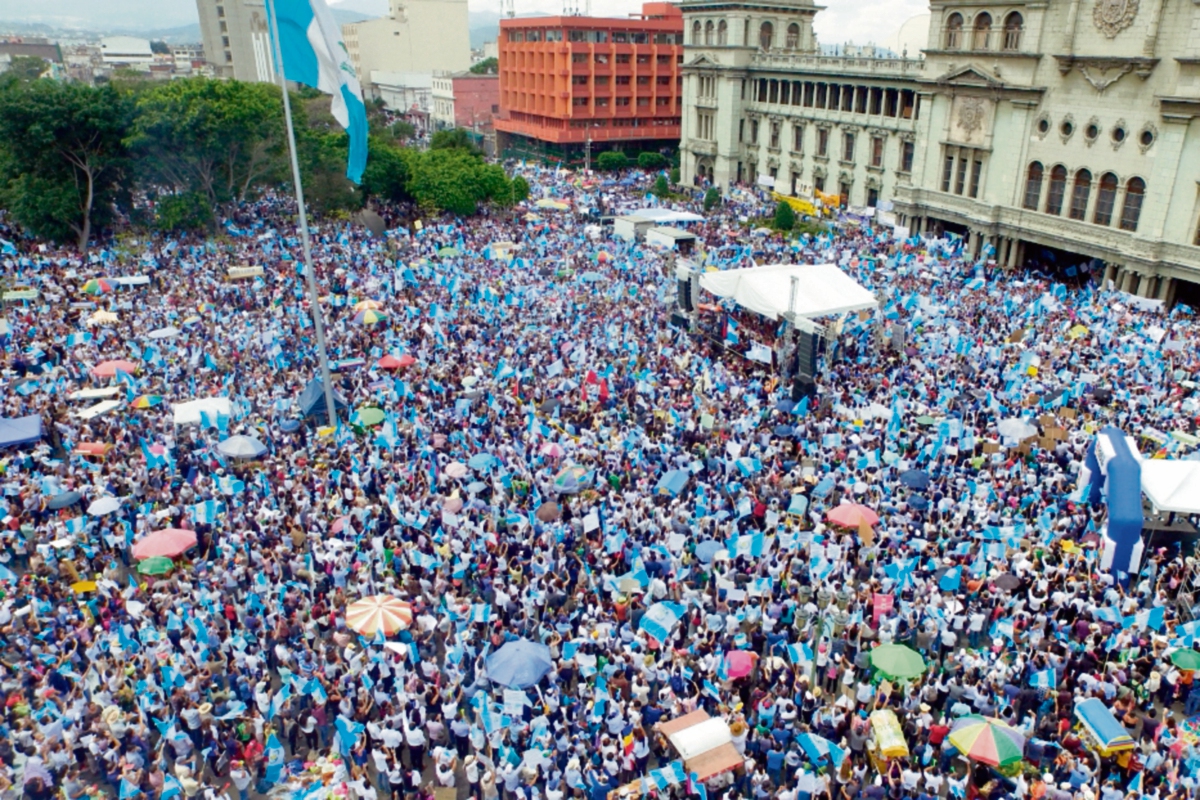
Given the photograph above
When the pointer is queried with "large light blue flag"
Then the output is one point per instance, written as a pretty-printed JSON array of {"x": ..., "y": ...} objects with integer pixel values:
[{"x": 315, "y": 55}]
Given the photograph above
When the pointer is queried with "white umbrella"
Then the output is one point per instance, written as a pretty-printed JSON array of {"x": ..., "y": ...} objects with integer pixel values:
[
  {"x": 164, "y": 333},
  {"x": 1014, "y": 428},
  {"x": 105, "y": 505},
  {"x": 242, "y": 447}
]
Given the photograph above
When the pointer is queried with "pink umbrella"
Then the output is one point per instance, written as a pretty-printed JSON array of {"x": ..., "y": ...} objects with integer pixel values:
[
  {"x": 456, "y": 470},
  {"x": 452, "y": 505},
  {"x": 107, "y": 369},
  {"x": 339, "y": 525},
  {"x": 552, "y": 449},
  {"x": 852, "y": 515},
  {"x": 739, "y": 663},
  {"x": 169, "y": 542}
]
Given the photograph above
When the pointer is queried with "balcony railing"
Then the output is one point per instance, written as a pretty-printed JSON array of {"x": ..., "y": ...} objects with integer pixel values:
[{"x": 871, "y": 66}]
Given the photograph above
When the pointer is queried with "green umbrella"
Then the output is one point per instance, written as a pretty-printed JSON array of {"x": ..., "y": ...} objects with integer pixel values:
[
  {"x": 447, "y": 252},
  {"x": 897, "y": 662},
  {"x": 925, "y": 419},
  {"x": 366, "y": 417},
  {"x": 1186, "y": 659},
  {"x": 155, "y": 565}
]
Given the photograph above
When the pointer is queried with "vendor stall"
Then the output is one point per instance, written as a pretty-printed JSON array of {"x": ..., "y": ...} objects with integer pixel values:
[
  {"x": 887, "y": 740},
  {"x": 704, "y": 743}
]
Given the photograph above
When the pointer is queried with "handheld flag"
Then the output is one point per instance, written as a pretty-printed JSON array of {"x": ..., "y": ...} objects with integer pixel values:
[{"x": 314, "y": 54}]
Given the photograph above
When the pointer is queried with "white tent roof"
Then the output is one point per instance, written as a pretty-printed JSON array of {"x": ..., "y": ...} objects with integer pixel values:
[
  {"x": 666, "y": 215},
  {"x": 702, "y": 737},
  {"x": 1172, "y": 485},
  {"x": 189, "y": 413},
  {"x": 824, "y": 289}
]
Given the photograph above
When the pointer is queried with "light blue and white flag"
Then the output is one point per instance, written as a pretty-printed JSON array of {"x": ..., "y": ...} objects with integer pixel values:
[
  {"x": 660, "y": 619},
  {"x": 315, "y": 55}
]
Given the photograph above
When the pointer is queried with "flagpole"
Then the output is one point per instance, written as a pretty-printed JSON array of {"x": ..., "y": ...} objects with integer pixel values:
[{"x": 309, "y": 272}]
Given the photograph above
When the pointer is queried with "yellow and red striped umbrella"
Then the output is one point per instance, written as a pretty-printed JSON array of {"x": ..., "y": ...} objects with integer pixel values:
[{"x": 379, "y": 613}]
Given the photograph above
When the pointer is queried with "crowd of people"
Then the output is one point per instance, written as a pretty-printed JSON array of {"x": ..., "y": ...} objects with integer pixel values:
[{"x": 514, "y": 490}]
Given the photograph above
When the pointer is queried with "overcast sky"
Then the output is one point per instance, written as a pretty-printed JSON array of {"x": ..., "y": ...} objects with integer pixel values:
[{"x": 860, "y": 21}]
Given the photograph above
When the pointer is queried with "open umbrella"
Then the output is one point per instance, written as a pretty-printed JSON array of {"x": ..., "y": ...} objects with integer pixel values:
[
  {"x": 366, "y": 417},
  {"x": 107, "y": 369},
  {"x": 448, "y": 252},
  {"x": 456, "y": 469},
  {"x": 555, "y": 205},
  {"x": 63, "y": 500},
  {"x": 452, "y": 505},
  {"x": 82, "y": 587},
  {"x": 155, "y": 565},
  {"x": 92, "y": 448},
  {"x": 368, "y": 305},
  {"x": 482, "y": 461},
  {"x": 572, "y": 479},
  {"x": 97, "y": 286},
  {"x": 241, "y": 447},
  {"x": 851, "y": 515},
  {"x": 897, "y": 662},
  {"x": 103, "y": 505},
  {"x": 169, "y": 542},
  {"x": 591, "y": 277},
  {"x": 987, "y": 740},
  {"x": 519, "y": 664},
  {"x": 915, "y": 479},
  {"x": 548, "y": 512},
  {"x": 925, "y": 419},
  {"x": 379, "y": 613},
  {"x": 146, "y": 401},
  {"x": 707, "y": 549},
  {"x": 552, "y": 449},
  {"x": 1008, "y": 582},
  {"x": 739, "y": 663},
  {"x": 370, "y": 317},
  {"x": 163, "y": 333},
  {"x": 1186, "y": 659},
  {"x": 391, "y": 362}
]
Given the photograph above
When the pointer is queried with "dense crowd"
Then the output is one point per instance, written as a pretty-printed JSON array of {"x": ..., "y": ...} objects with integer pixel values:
[{"x": 522, "y": 484}]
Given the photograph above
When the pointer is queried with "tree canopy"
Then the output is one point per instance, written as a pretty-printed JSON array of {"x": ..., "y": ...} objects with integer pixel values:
[{"x": 489, "y": 66}]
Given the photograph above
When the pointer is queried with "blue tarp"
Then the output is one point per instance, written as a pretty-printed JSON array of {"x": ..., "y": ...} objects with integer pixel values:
[
  {"x": 1124, "y": 491},
  {"x": 312, "y": 399},
  {"x": 20, "y": 430}
]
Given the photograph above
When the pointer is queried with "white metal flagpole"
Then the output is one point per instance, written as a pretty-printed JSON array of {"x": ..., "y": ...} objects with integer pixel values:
[{"x": 309, "y": 272}]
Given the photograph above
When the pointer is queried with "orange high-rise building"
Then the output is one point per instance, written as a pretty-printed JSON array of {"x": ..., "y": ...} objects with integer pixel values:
[{"x": 565, "y": 81}]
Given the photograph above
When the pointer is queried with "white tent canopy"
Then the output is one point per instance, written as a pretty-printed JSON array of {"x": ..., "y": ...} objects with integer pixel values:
[
  {"x": 823, "y": 289},
  {"x": 1172, "y": 485},
  {"x": 698, "y": 739},
  {"x": 189, "y": 413},
  {"x": 666, "y": 215}
]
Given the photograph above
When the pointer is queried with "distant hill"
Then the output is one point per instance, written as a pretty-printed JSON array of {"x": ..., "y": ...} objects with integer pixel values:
[{"x": 485, "y": 25}]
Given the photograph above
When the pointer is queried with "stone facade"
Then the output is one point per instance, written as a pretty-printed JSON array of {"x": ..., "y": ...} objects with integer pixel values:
[
  {"x": 1069, "y": 124},
  {"x": 415, "y": 36}
]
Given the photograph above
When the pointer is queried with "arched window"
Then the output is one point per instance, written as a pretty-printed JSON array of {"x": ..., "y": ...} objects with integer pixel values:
[
  {"x": 1135, "y": 191},
  {"x": 708, "y": 32},
  {"x": 696, "y": 32},
  {"x": 1106, "y": 200},
  {"x": 793, "y": 36},
  {"x": 1013, "y": 25},
  {"x": 766, "y": 36},
  {"x": 722, "y": 33},
  {"x": 1033, "y": 185},
  {"x": 1058, "y": 187},
  {"x": 1080, "y": 192},
  {"x": 983, "y": 32},
  {"x": 954, "y": 27}
]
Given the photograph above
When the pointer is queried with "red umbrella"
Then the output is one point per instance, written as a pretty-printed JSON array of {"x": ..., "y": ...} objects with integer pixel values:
[
  {"x": 389, "y": 362},
  {"x": 169, "y": 542},
  {"x": 407, "y": 361},
  {"x": 107, "y": 369},
  {"x": 852, "y": 515}
]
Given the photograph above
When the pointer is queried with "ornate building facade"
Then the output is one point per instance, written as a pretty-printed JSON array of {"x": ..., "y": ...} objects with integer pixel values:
[{"x": 1065, "y": 124}]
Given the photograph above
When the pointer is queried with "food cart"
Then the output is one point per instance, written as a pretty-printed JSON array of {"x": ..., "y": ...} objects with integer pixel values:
[
  {"x": 1102, "y": 732},
  {"x": 887, "y": 740}
]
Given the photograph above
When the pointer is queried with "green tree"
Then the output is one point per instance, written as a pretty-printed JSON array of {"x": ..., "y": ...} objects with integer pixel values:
[
  {"x": 650, "y": 161},
  {"x": 661, "y": 187},
  {"x": 387, "y": 171},
  {"x": 403, "y": 131},
  {"x": 445, "y": 180},
  {"x": 489, "y": 66},
  {"x": 675, "y": 175},
  {"x": 27, "y": 68},
  {"x": 611, "y": 160},
  {"x": 65, "y": 156},
  {"x": 322, "y": 155},
  {"x": 520, "y": 188},
  {"x": 494, "y": 184},
  {"x": 712, "y": 198},
  {"x": 785, "y": 217},
  {"x": 189, "y": 211},
  {"x": 218, "y": 138},
  {"x": 453, "y": 139}
]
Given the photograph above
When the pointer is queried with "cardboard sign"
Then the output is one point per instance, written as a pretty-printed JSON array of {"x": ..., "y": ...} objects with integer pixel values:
[
  {"x": 882, "y": 604},
  {"x": 991, "y": 447}
]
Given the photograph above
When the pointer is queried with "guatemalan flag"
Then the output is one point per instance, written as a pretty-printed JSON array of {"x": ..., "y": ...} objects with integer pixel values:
[{"x": 314, "y": 54}]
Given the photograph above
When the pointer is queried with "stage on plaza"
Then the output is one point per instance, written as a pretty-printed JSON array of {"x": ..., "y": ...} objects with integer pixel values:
[{"x": 821, "y": 290}]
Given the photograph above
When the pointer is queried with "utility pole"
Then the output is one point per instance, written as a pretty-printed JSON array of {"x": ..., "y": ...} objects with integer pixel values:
[{"x": 587, "y": 155}]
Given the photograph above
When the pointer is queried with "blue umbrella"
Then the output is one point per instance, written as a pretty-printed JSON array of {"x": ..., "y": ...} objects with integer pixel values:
[
  {"x": 706, "y": 550},
  {"x": 591, "y": 277},
  {"x": 475, "y": 487},
  {"x": 785, "y": 406},
  {"x": 519, "y": 664},
  {"x": 821, "y": 751},
  {"x": 481, "y": 461},
  {"x": 784, "y": 430},
  {"x": 918, "y": 502},
  {"x": 915, "y": 479},
  {"x": 289, "y": 425},
  {"x": 673, "y": 482}
]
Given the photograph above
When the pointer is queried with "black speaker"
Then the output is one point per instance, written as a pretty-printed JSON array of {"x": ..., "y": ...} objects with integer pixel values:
[
  {"x": 685, "y": 296},
  {"x": 806, "y": 353},
  {"x": 679, "y": 320},
  {"x": 802, "y": 387}
]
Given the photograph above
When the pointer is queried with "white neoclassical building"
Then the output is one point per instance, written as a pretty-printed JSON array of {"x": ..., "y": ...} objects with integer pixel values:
[{"x": 1069, "y": 125}]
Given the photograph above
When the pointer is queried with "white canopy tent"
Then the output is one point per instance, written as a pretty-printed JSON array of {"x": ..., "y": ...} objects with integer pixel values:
[
  {"x": 666, "y": 216},
  {"x": 822, "y": 289},
  {"x": 189, "y": 413},
  {"x": 1172, "y": 485}
]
